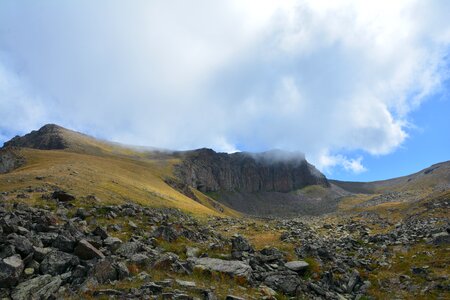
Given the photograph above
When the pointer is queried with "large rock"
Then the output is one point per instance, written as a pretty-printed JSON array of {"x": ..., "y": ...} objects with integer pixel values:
[
  {"x": 63, "y": 196},
  {"x": 233, "y": 268},
  {"x": 107, "y": 270},
  {"x": 58, "y": 262},
  {"x": 85, "y": 250},
  {"x": 165, "y": 232},
  {"x": 297, "y": 265},
  {"x": 21, "y": 243},
  {"x": 10, "y": 270},
  {"x": 240, "y": 245},
  {"x": 285, "y": 283},
  {"x": 129, "y": 248},
  {"x": 65, "y": 242},
  {"x": 41, "y": 287}
]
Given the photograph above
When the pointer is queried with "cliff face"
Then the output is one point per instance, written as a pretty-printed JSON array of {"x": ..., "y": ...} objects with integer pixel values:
[{"x": 272, "y": 171}]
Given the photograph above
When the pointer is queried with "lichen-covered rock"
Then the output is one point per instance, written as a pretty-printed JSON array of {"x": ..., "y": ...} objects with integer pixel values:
[
  {"x": 58, "y": 262},
  {"x": 10, "y": 270},
  {"x": 41, "y": 287},
  {"x": 233, "y": 268}
]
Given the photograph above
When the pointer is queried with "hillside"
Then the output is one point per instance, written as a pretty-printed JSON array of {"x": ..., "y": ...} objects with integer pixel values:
[
  {"x": 200, "y": 181},
  {"x": 86, "y": 167},
  {"x": 82, "y": 218}
]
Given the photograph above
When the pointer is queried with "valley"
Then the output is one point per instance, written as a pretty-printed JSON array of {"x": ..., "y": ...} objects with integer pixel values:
[{"x": 85, "y": 218}]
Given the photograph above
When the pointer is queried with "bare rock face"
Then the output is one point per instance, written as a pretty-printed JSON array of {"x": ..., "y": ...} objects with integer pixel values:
[
  {"x": 273, "y": 171},
  {"x": 10, "y": 159},
  {"x": 47, "y": 138}
]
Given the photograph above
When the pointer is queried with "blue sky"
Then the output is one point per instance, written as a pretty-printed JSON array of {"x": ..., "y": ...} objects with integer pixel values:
[{"x": 361, "y": 87}]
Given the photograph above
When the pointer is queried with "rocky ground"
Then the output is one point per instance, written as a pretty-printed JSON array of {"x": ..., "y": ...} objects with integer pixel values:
[{"x": 62, "y": 247}]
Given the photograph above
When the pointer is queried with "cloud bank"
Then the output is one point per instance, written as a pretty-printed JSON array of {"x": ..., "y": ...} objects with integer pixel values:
[{"x": 323, "y": 77}]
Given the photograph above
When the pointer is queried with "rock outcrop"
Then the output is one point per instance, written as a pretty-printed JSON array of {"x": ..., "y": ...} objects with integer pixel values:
[
  {"x": 272, "y": 171},
  {"x": 10, "y": 160}
]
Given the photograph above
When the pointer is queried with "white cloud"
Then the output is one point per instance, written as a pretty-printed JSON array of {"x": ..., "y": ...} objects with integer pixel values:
[
  {"x": 316, "y": 76},
  {"x": 327, "y": 162}
]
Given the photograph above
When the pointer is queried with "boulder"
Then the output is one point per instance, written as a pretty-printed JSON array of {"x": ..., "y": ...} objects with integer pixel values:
[
  {"x": 65, "y": 242},
  {"x": 41, "y": 287},
  {"x": 58, "y": 262},
  {"x": 86, "y": 250},
  {"x": 107, "y": 270},
  {"x": 63, "y": 196},
  {"x": 10, "y": 270},
  {"x": 239, "y": 246},
  {"x": 285, "y": 283},
  {"x": 165, "y": 232},
  {"x": 129, "y": 248},
  {"x": 297, "y": 265},
  {"x": 233, "y": 268},
  {"x": 21, "y": 244},
  {"x": 112, "y": 243},
  {"x": 40, "y": 253}
]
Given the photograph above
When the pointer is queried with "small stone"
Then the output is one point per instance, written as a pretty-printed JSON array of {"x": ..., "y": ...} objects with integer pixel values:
[
  {"x": 185, "y": 284},
  {"x": 29, "y": 271}
]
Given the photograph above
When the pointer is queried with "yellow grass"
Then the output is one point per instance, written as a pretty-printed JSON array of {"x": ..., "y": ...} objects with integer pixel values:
[{"x": 112, "y": 178}]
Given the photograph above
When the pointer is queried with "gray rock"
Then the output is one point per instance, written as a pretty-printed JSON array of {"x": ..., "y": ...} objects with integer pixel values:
[
  {"x": 284, "y": 283},
  {"x": 354, "y": 279},
  {"x": 40, "y": 253},
  {"x": 58, "y": 262},
  {"x": 129, "y": 248},
  {"x": 441, "y": 238},
  {"x": 41, "y": 287},
  {"x": 107, "y": 270},
  {"x": 112, "y": 243},
  {"x": 10, "y": 270},
  {"x": 21, "y": 244},
  {"x": 85, "y": 250},
  {"x": 192, "y": 251},
  {"x": 185, "y": 284},
  {"x": 65, "y": 242},
  {"x": 165, "y": 232},
  {"x": 297, "y": 265},
  {"x": 140, "y": 259},
  {"x": 231, "y": 267}
]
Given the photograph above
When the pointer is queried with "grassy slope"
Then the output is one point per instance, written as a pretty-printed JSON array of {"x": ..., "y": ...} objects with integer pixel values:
[{"x": 112, "y": 178}]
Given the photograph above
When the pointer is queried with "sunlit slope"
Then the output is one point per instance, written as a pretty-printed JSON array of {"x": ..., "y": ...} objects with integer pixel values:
[
  {"x": 434, "y": 177},
  {"x": 111, "y": 178}
]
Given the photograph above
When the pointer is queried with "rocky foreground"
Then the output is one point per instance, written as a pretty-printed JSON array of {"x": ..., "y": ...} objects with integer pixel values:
[{"x": 62, "y": 247}]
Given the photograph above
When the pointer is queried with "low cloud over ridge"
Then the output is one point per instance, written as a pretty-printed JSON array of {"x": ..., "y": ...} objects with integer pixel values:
[{"x": 322, "y": 77}]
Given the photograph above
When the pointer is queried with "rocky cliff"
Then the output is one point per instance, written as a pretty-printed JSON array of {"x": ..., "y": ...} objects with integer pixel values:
[{"x": 272, "y": 171}]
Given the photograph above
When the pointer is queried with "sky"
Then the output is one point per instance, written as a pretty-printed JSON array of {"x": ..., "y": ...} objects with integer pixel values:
[{"x": 361, "y": 87}]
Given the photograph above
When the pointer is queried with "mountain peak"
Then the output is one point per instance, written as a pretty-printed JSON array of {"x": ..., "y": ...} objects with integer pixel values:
[{"x": 48, "y": 137}]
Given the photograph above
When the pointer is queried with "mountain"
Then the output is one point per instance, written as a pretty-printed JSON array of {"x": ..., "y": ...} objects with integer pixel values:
[
  {"x": 271, "y": 182},
  {"x": 84, "y": 218}
]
